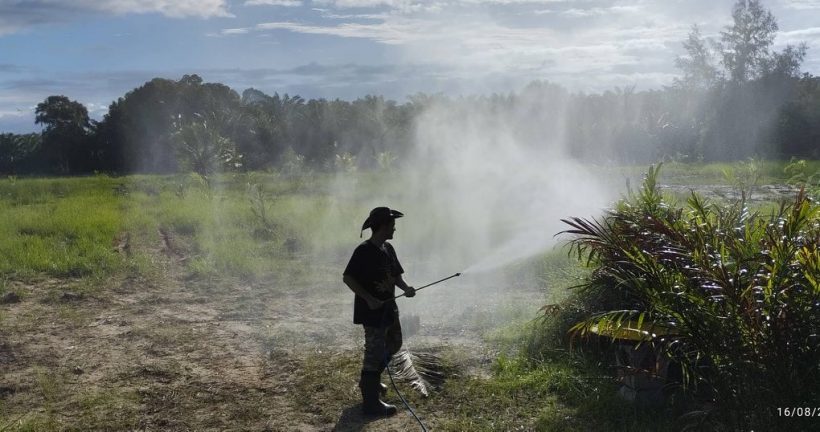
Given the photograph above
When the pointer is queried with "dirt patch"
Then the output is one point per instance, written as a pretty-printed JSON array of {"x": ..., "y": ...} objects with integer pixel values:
[
  {"x": 6, "y": 354},
  {"x": 9, "y": 298},
  {"x": 174, "y": 353}
]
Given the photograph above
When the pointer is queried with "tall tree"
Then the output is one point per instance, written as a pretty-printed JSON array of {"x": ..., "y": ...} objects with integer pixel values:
[
  {"x": 699, "y": 70},
  {"x": 65, "y": 144},
  {"x": 747, "y": 41}
]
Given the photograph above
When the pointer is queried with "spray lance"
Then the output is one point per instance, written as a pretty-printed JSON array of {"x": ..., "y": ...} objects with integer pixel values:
[{"x": 430, "y": 284}]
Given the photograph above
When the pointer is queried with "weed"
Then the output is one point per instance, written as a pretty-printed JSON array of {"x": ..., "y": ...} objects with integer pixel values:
[
  {"x": 261, "y": 206},
  {"x": 745, "y": 176}
]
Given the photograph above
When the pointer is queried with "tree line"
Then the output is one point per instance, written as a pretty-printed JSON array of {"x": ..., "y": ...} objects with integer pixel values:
[{"x": 735, "y": 98}]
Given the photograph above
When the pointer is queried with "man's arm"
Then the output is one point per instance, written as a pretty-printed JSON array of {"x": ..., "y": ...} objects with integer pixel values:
[
  {"x": 356, "y": 287},
  {"x": 408, "y": 290}
]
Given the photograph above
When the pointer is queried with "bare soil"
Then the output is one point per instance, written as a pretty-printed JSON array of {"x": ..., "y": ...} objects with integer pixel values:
[{"x": 173, "y": 353}]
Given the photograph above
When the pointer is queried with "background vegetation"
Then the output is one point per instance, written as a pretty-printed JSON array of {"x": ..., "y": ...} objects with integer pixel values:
[{"x": 735, "y": 98}]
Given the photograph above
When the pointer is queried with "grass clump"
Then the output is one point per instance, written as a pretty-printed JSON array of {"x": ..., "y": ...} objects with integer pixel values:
[
  {"x": 63, "y": 236},
  {"x": 560, "y": 393}
]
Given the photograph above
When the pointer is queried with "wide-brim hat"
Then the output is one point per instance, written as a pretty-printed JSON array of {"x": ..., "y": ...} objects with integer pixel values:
[{"x": 379, "y": 215}]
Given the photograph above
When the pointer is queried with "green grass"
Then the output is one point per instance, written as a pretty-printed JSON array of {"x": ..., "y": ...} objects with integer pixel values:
[
  {"x": 58, "y": 227},
  {"x": 69, "y": 228}
]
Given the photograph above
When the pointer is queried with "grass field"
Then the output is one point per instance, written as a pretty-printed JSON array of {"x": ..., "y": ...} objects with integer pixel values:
[{"x": 162, "y": 303}]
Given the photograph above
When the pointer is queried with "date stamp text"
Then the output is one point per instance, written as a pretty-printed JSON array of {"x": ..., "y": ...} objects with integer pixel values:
[{"x": 798, "y": 411}]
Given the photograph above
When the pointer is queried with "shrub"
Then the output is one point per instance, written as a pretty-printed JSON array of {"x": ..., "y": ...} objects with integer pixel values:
[{"x": 740, "y": 291}]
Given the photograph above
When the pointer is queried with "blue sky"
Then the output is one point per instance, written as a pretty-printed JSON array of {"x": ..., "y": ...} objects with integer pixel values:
[{"x": 94, "y": 51}]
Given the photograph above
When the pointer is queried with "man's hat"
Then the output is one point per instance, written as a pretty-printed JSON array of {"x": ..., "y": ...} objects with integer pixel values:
[{"x": 379, "y": 215}]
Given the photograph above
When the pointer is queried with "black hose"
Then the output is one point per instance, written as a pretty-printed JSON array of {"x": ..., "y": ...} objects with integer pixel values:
[
  {"x": 387, "y": 355},
  {"x": 407, "y": 405}
]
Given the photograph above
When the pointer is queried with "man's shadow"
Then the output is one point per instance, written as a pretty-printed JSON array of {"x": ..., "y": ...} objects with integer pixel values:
[{"x": 353, "y": 420}]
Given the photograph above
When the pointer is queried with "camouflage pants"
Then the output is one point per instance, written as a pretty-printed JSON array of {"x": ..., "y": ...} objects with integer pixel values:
[{"x": 379, "y": 341}]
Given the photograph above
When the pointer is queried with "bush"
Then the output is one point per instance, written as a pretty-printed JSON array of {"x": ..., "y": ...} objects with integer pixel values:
[{"x": 740, "y": 291}]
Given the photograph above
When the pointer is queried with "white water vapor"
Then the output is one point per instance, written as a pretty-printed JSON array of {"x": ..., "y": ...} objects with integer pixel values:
[{"x": 482, "y": 193}]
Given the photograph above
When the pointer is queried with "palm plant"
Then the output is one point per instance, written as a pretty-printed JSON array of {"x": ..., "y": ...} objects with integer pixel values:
[
  {"x": 732, "y": 296},
  {"x": 345, "y": 162},
  {"x": 203, "y": 148},
  {"x": 15, "y": 149},
  {"x": 261, "y": 206}
]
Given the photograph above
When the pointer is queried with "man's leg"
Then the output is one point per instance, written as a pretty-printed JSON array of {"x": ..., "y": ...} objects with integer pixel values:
[
  {"x": 375, "y": 349},
  {"x": 393, "y": 341},
  {"x": 393, "y": 338}
]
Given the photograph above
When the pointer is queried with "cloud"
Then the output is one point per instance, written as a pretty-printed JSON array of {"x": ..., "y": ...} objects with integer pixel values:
[
  {"x": 170, "y": 8},
  {"x": 17, "y": 122},
  {"x": 394, "y": 32},
  {"x": 802, "y": 4},
  {"x": 400, "y": 6},
  {"x": 16, "y": 15},
  {"x": 513, "y": 2},
  {"x": 800, "y": 34},
  {"x": 283, "y": 3},
  {"x": 235, "y": 31},
  {"x": 11, "y": 68},
  {"x": 368, "y": 3},
  {"x": 36, "y": 84},
  {"x": 601, "y": 11},
  {"x": 474, "y": 40},
  {"x": 584, "y": 44}
]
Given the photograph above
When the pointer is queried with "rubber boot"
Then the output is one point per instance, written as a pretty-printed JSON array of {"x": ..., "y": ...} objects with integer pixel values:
[
  {"x": 371, "y": 404},
  {"x": 383, "y": 389}
]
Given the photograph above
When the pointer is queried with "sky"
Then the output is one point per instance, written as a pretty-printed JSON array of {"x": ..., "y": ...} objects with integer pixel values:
[{"x": 94, "y": 51}]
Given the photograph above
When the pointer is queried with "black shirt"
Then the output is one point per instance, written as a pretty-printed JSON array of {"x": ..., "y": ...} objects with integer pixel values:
[{"x": 369, "y": 266}]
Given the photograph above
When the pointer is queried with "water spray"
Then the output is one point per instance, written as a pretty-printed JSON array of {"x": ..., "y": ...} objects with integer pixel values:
[{"x": 430, "y": 284}]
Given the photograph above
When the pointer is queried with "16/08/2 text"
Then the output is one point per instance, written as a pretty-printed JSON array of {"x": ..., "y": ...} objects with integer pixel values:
[{"x": 798, "y": 412}]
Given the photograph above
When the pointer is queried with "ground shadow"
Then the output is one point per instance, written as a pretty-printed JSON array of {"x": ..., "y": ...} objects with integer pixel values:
[{"x": 352, "y": 419}]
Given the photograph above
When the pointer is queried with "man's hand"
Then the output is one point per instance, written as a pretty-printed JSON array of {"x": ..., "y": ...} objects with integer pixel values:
[
  {"x": 409, "y": 292},
  {"x": 373, "y": 303}
]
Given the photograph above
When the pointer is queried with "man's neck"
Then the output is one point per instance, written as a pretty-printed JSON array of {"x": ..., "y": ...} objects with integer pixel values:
[{"x": 377, "y": 240}]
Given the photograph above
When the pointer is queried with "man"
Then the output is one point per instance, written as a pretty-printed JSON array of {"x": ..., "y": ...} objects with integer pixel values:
[{"x": 373, "y": 273}]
